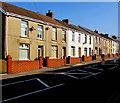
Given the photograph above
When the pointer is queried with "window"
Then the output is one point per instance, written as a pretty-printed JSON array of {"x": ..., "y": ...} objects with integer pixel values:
[
  {"x": 73, "y": 36},
  {"x": 96, "y": 50},
  {"x": 79, "y": 38},
  {"x": 79, "y": 52},
  {"x": 40, "y": 32},
  {"x": 24, "y": 51},
  {"x": 24, "y": 28},
  {"x": 85, "y": 38},
  {"x": 85, "y": 51},
  {"x": 63, "y": 35},
  {"x": 96, "y": 40},
  {"x": 89, "y": 39},
  {"x": 90, "y": 51},
  {"x": 54, "y": 52},
  {"x": 99, "y": 41},
  {"x": 40, "y": 51},
  {"x": 54, "y": 34},
  {"x": 72, "y": 51},
  {"x": 63, "y": 51}
]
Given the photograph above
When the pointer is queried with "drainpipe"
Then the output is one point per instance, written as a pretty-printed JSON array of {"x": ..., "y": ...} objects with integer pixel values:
[{"x": 6, "y": 36}]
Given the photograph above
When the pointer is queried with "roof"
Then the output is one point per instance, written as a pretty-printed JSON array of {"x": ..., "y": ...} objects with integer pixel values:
[
  {"x": 24, "y": 12},
  {"x": 71, "y": 26}
]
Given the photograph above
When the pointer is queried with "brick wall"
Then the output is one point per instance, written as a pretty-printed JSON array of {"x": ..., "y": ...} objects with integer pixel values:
[
  {"x": 87, "y": 58},
  {"x": 22, "y": 66},
  {"x": 55, "y": 62},
  {"x": 73, "y": 60}
]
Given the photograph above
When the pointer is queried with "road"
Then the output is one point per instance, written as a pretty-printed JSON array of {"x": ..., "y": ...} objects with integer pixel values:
[{"x": 93, "y": 83}]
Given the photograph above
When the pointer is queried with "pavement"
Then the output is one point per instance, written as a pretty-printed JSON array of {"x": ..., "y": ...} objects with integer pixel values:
[{"x": 44, "y": 69}]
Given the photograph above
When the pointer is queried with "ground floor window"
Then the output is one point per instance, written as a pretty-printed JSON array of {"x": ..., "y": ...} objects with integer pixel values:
[
  {"x": 40, "y": 51},
  {"x": 90, "y": 51},
  {"x": 63, "y": 52},
  {"x": 85, "y": 51},
  {"x": 72, "y": 51},
  {"x": 24, "y": 51},
  {"x": 79, "y": 52},
  {"x": 54, "y": 51}
]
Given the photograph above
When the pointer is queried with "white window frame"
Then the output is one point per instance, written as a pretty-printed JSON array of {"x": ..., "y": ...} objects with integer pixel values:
[
  {"x": 79, "y": 38},
  {"x": 40, "y": 50},
  {"x": 72, "y": 51},
  {"x": 73, "y": 36},
  {"x": 54, "y": 51},
  {"x": 40, "y": 32},
  {"x": 24, "y": 28},
  {"x": 24, "y": 46},
  {"x": 63, "y": 35},
  {"x": 54, "y": 33}
]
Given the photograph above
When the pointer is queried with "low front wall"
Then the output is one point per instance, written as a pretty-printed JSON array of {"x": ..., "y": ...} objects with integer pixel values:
[
  {"x": 22, "y": 66},
  {"x": 3, "y": 66},
  {"x": 87, "y": 58},
  {"x": 55, "y": 62},
  {"x": 73, "y": 60}
]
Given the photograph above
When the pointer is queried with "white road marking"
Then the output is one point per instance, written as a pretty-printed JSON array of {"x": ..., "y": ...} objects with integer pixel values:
[
  {"x": 43, "y": 82},
  {"x": 30, "y": 93},
  {"x": 19, "y": 82},
  {"x": 71, "y": 76}
]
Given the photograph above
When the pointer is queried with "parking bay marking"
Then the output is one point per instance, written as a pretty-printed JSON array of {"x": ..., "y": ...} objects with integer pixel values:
[{"x": 30, "y": 93}]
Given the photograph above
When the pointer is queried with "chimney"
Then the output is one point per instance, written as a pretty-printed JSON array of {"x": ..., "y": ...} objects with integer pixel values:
[
  {"x": 106, "y": 35},
  {"x": 50, "y": 14},
  {"x": 66, "y": 21},
  {"x": 96, "y": 31}
]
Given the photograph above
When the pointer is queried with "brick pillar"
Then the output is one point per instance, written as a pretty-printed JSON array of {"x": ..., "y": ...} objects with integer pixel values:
[
  {"x": 40, "y": 62},
  {"x": 9, "y": 64},
  {"x": 48, "y": 61}
]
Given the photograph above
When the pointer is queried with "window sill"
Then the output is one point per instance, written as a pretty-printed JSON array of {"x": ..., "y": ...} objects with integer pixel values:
[
  {"x": 54, "y": 40},
  {"x": 40, "y": 39},
  {"x": 24, "y": 37},
  {"x": 63, "y": 41}
]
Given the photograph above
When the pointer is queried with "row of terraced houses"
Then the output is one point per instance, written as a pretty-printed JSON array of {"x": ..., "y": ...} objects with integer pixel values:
[{"x": 27, "y": 35}]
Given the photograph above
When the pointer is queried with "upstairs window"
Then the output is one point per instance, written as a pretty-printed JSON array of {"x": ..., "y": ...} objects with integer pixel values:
[
  {"x": 89, "y": 39},
  {"x": 79, "y": 37},
  {"x": 73, "y": 36},
  {"x": 54, "y": 34},
  {"x": 85, "y": 38},
  {"x": 24, "y": 28},
  {"x": 63, "y": 35},
  {"x": 40, "y": 32}
]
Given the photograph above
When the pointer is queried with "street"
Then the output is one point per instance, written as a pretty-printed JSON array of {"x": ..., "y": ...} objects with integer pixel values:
[{"x": 93, "y": 83}]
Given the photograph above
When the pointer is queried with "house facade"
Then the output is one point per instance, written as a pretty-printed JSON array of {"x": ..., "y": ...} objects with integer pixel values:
[
  {"x": 26, "y": 36},
  {"x": 29, "y": 34}
]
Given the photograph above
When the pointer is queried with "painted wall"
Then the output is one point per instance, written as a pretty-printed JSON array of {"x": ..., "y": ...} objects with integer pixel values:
[
  {"x": 77, "y": 44},
  {"x": 14, "y": 39}
]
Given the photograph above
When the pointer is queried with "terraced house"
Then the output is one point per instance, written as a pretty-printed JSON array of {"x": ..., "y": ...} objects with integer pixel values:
[
  {"x": 27, "y": 37},
  {"x": 29, "y": 34}
]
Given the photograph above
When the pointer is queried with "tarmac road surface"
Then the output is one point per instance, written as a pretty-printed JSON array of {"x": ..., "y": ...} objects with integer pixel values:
[{"x": 93, "y": 83}]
